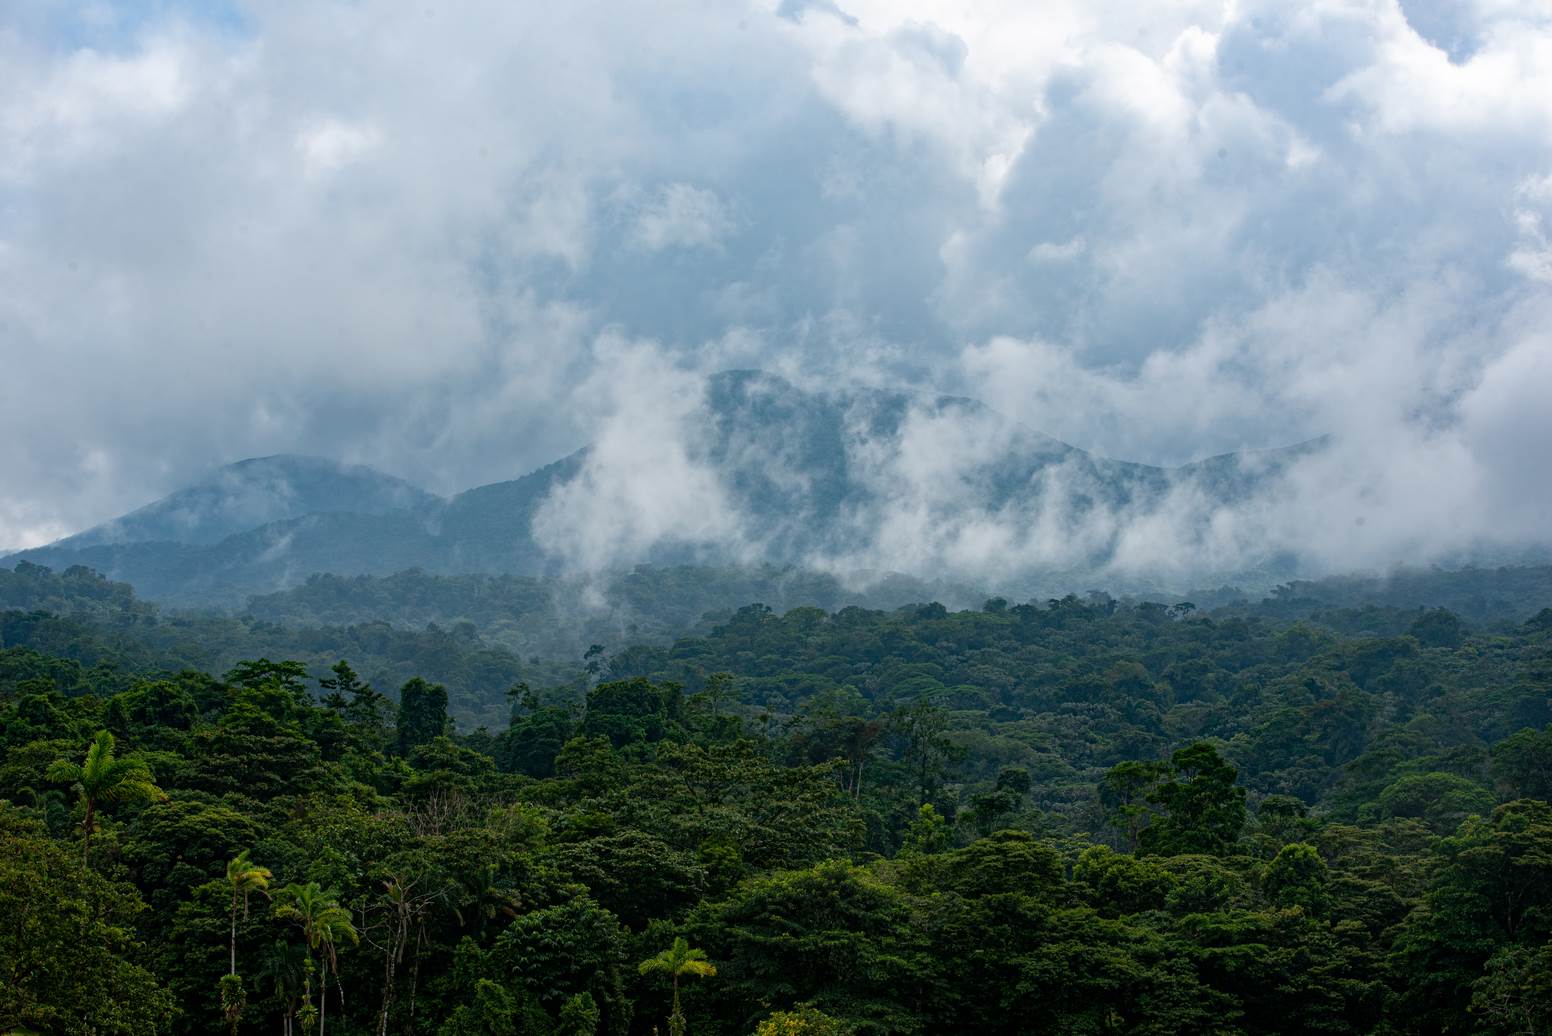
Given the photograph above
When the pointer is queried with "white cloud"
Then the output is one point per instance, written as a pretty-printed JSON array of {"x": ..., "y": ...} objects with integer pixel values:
[
  {"x": 327, "y": 145},
  {"x": 397, "y": 234},
  {"x": 680, "y": 215},
  {"x": 642, "y": 483}
]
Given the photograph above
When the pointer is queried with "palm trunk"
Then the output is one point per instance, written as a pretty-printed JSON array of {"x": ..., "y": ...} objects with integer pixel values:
[
  {"x": 420, "y": 935},
  {"x": 323, "y": 995},
  {"x": 234, "y": 935},
  {"x": 86, "y": 829},
  {"x": 382, "y": 1016}
]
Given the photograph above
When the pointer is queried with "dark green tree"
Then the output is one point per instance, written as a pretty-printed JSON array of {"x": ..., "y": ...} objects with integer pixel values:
[
  {"x": 422, "y": 715},
  {"x": 1203, "y": 810}
]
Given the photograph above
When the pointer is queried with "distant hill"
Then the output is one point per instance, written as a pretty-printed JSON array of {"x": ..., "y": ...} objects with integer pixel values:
[
  {"x": 243, "y": 496},
  {"x": 816, "y": 479}
]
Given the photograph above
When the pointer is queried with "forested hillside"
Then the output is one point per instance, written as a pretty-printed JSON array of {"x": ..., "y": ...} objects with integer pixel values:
[
  {"x": 478, "y": 634},
  {"x": 1079, "y": 815}
]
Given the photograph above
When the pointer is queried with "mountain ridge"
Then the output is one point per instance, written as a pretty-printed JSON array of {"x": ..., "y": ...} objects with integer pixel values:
[
  {"x": 252, "y": 492},
  {"x": 809, "y": 476}
]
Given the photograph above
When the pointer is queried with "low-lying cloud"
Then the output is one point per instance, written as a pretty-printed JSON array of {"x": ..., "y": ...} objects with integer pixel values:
[{"x": 460, "y": 247}]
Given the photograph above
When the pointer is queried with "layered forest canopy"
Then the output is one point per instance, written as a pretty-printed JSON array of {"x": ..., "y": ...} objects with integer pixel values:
[{"x": 1326, "y": 811}]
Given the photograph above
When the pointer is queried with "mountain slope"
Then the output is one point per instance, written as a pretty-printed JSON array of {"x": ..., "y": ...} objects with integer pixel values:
[
  {"x": 861, "y": 479},
  {"x": 250, "y": 493}
]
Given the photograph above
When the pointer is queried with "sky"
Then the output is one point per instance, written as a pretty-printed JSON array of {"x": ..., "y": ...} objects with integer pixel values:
[{"x": 457, "y": 241}]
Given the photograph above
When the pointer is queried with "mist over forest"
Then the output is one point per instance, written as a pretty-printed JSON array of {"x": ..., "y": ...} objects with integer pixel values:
[{"x": 776, "y": 518}]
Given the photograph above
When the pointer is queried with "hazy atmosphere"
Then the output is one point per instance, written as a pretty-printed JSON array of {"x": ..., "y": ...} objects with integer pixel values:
[
  {"x": 458, "y": 248},
  {"x": 776, "y": 517}
]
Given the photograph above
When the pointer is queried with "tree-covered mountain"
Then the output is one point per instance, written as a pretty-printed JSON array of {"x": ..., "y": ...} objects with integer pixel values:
[
  {"x": 253, "y": 493},
  {"x": 806, "y": 478}
]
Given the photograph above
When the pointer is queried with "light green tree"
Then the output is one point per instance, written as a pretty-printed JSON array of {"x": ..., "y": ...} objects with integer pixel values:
[
  {"x": 804, "y": 1021},
  {"x": 246, "y": 878},
  {"x": 679, "y": 959},
  {"x": 105, "y": 778}
]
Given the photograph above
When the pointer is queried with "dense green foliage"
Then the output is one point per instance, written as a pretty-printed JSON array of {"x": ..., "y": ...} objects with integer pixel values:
[
  {"x": 1081, "y": 816},
  {"x": 476, "y": 634}
]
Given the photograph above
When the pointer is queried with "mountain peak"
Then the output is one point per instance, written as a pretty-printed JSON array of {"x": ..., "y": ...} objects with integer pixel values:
[{"x": 253, "y": 492}]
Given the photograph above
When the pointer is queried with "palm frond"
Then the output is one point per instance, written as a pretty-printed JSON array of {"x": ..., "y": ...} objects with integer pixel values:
[{"x": 63, "y": 771}]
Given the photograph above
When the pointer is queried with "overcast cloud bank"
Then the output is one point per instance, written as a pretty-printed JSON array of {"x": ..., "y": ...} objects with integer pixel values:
[{"x": 456, "y": 248}]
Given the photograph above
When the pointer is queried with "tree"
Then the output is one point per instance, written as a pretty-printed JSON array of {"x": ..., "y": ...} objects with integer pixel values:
[
  {"x": 343, "y": 681},
  {"x": 1124, "y": 791},
  {"x": 679, "y": 959},
  {"x": 1203, "y": 809},
  {"x": 1297, "y": 877},
  {"x": 561, "y": 951},
  {"x": 69, "y": 962},
  {"x": 286, "y": 966},
  {"x": 105, "y": 778},
  {"x": 1514, "y": 994},
  {"x": 628, "y": 711},
  {"x": 364, "y": 708},
  {"x": 805, "y": 1021},
  {"x": 489, "y": 1013},
  {"x": 835, "y": 936},
  {"x": 290, "y": 677},
  {"x": 324, "y": 923},
  {"x": 531, "y": 743},
  {"x": 924, "y": 725},
  {"x": 1440, "y": 800},
  {"x": 987, "y": 808},
  {"x": 927, "y": 834},
  {"x": 1522, "y": 764},
  {"x": 422, "y": 714},
  {"x": 635, "y": 875},
  {"x": 245, "y": 878},
  {"x": 1491, "y": 891},
  {"x": 579, "y": 1016}
]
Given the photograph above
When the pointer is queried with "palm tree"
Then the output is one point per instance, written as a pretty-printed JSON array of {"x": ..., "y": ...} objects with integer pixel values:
[
  {"x": 103, "y": 778},
  {"x": 678, "y": 959},
  {"x": 284, "y": 967},
  {"x": 246, "y": 878},
  {"x": 324, "y": 923}
]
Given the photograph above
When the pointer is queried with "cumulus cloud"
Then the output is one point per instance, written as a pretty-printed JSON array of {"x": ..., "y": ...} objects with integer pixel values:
[
  {"x": 437, "y": 243},
  {"x": 643, "y": 482}
]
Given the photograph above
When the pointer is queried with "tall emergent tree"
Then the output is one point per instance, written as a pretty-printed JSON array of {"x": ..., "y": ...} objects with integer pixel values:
[
  {"x": 422, "y": 714},
  {"x": 246, "y": 877},
  {"x": 105, "y": 778},
  {"x": 678, "y": 959},
  {"x": 324, "y": 924}
]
